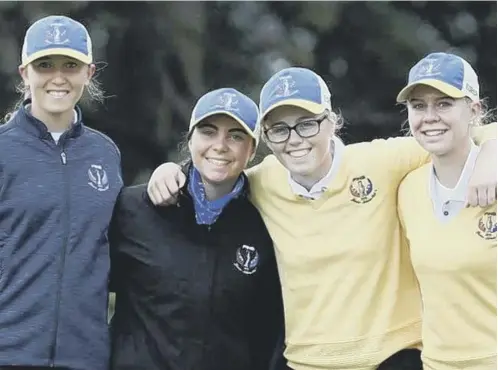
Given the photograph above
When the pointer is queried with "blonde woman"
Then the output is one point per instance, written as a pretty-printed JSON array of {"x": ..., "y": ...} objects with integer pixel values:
[{"x": 453, "y": 248}]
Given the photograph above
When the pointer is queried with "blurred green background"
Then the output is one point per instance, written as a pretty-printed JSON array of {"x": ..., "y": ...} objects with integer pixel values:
[{"x": 156, "y": 58}]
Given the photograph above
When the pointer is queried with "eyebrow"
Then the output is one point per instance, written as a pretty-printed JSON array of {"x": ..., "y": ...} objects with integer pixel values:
[
  {"x": 233, "y": 129},
  {"x": 41, "y": 59},
  {"x": 437, "y": 98},
  {"x": 299, "y": 120}
]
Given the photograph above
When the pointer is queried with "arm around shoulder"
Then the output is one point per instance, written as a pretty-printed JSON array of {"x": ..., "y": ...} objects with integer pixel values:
[
  {"x": 399, "y": 155},
  {"x": 481, "y": 134}
]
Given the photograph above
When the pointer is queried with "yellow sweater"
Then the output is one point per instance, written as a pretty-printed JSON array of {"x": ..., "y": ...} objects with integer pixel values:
[
  {"x": 455, "y": 263},
  {"x": 350, "y": 295}
]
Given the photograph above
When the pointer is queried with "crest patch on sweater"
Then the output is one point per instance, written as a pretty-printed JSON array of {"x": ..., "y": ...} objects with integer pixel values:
[
  {"x": 362, "y": 189},
  {"x": 486, "y": 226},
  {"x": 246, "y": 259}
]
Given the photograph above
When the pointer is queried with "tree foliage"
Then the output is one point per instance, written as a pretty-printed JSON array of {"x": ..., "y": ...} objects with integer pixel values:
[{"x": 156, "y": 58}]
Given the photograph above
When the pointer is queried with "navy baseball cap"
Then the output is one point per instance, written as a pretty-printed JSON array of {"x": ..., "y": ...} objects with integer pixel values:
[
  {"x": 232, "y": 103},
  {"x": 448, "y": 73},
  {"x": 57, "y": 35},
  {"x": 295, "y": 86}
]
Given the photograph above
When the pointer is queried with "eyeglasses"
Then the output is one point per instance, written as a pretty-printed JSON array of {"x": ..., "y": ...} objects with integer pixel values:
[{"x": 281, "y": 132}]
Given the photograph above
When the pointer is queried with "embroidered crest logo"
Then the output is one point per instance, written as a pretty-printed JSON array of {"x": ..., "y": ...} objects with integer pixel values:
[
  {"x": 57, "y": 35},
  {"x": 362, "y": 190},
  {"x": 246, "y": 259},
  {"x": 486, "y": 226},
  {"x": 98, "y": 178},
  {"x": 228, "y": 101},
  {"x": 284, "y": 88},
  {"x": 427, "y": 68}
]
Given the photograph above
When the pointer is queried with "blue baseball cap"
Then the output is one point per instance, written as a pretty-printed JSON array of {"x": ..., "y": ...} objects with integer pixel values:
[
  {"x": 232, "y": 103},
  {"x": 298, "y": 87},
  {"x": 57, "y": 35},
  {"x": 448, "y": 73}
]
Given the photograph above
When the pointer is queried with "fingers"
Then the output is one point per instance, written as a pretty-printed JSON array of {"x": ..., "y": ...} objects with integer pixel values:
[
  {"x": 152, "y": 193},
  {"x": 164, "y": 194},
  {"x": 181, "y": 179},
  {"x": 492, "y": 195},
  {"x": 472, "y": 197},
  {"x": 163, "y": 189},
  {"x": 481, "y": 196}
]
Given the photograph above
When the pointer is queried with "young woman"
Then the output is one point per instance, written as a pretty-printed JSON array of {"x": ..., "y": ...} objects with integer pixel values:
[
  {"x": 58, "y": 184},
  {"x": 350, "y": 295},
  {"x": 197, "y": 285},
  {"x": 453, "y": 248}
]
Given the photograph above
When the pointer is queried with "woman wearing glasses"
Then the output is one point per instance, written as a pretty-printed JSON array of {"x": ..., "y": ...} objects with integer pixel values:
[{"x": 350, "y": 296}]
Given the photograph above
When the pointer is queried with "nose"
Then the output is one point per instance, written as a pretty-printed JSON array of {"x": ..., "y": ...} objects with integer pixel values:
[
  {"x": 220, "y": 143},
  {"x": 294, "y": 138},
  {"x": 430, "y": 114},
  {"x": 59, "y": 77}
]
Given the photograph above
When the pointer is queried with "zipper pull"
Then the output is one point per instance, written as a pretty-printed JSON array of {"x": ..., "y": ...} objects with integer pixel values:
[{"x": 63, "y": 158}]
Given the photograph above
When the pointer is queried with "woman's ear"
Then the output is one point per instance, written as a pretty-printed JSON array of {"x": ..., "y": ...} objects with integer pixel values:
[
  {"x": 90, "y": 73},
  {"x": 23, "y": 72},
  {"x": 253, "y": 154}
]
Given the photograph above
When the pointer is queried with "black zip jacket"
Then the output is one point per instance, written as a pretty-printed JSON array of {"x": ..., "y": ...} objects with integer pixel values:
[{"x": 192, "y": 297}]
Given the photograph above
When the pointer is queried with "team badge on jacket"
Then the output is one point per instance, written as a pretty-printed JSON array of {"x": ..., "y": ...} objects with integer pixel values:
[
  {"x": 98, "y": 178},
  {"x": 486, "y": 226},
  {"x": 246, "y": 259},
  {"x": 362, "y": 190}
]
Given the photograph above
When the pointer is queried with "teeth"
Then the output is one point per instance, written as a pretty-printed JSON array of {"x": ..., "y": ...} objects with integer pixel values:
[
  {"x": 299, "y": 153},
  {"x": 218, "y": 162},
  {"x": 58, "y": 94},
  {"x": 434, "y": 132}
]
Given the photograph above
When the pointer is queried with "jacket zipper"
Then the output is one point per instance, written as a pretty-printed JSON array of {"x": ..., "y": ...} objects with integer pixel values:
[
  {"x": 63, "y": 256},
  {"x": 211, "y": 293}
]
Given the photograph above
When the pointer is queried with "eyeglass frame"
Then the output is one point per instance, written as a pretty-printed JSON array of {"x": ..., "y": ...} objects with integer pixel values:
[{"x": 294, "y": 128}]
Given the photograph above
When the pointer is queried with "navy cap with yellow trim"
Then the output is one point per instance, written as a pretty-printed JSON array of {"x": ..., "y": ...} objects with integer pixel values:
[
  {"x": 448, "y": 73},
  {"x": 230, "y": 102},
  {"x": 295, "y": 86},
  {"x": 57, "y": 35}
]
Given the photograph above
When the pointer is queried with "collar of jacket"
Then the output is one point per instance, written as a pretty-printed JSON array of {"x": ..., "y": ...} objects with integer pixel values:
[{"x": 37, "y": 128}]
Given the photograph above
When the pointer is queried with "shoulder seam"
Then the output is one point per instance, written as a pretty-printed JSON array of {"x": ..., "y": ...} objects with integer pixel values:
[
  {"x": 105, "y": 137},
  {"x": 3, "y": 131}
]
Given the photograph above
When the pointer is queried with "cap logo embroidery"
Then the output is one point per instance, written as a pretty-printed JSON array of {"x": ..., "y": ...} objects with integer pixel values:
[
  {"x": 228, "y": 101},
  {"x": 56, "y": 35},
  {"x": 284, "y": 88},
  {"x": 429, "y": 67}
]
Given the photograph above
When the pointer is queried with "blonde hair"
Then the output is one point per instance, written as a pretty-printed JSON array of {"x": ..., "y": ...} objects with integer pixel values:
[{"x": 486, "y": 115}]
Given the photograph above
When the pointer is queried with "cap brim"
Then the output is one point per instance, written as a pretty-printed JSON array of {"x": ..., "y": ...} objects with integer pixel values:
[
  {"x": 246, "y": 128},
  {"x": 311, "y": 107},
  {"x": 445, "y": 88},
  {"x": 87, "y": 59}
]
